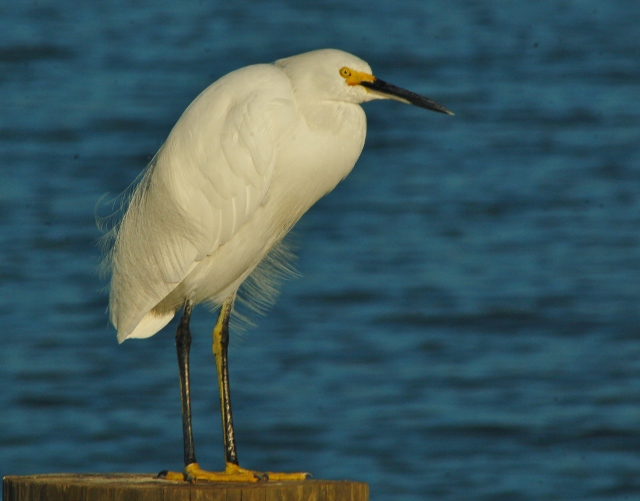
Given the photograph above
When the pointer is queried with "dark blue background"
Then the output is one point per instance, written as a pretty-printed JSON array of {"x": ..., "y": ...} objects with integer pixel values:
[{"x": 466, "y": 324}]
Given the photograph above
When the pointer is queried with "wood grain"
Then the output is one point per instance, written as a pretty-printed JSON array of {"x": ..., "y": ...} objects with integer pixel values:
[{"x": 143, "y": 487}]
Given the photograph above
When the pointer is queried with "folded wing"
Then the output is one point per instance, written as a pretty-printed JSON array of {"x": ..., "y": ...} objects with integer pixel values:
[{"x": 204, "y": 183}]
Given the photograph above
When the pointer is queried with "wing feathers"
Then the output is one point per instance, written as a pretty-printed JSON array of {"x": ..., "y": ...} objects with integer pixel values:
[{"x": 206, "y": 181}]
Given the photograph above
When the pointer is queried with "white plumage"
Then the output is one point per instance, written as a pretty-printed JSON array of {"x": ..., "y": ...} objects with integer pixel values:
[
  {"x": 247, "y": 158},
  {"x": 250, "y": 155}
]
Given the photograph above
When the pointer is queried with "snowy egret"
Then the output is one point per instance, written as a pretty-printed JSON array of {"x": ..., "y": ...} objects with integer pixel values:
[{"x": 249, "y": 156}]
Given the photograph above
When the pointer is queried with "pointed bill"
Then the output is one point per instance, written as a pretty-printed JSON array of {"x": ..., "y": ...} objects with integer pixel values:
[{"x": 405, "y": 96}]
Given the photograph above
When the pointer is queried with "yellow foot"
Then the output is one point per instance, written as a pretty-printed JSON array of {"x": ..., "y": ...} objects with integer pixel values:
[{"x": 233, "y": 473}]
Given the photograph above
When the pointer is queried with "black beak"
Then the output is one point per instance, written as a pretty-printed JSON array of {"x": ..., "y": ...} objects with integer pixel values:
[{"x": 405, "y": 96}]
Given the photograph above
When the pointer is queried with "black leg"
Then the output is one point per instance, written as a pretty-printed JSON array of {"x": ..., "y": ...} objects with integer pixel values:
[
  {"x": 183, "y": 344},
  {"x": 192, "y": 471},
  {"x": 220, "y": 349}
]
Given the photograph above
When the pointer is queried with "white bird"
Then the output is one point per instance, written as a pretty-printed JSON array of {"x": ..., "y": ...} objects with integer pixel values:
[{"x": 248, "y": 157}]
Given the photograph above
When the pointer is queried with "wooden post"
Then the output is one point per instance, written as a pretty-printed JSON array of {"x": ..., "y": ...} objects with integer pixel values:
[{"x": 143, "y": 487}]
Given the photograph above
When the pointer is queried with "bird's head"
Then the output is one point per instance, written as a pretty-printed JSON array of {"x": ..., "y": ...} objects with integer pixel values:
[{"x": 334, "y": 75}]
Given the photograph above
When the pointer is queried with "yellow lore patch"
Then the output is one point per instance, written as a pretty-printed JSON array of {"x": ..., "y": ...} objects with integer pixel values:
[{"x": 354, "y": 77}]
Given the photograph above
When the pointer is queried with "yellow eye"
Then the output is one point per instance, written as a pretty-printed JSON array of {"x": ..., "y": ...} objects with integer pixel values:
[{"x": 345, "y": 72}]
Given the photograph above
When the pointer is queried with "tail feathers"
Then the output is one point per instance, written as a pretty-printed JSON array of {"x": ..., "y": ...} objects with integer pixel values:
[{"x": 148, "y": 326}]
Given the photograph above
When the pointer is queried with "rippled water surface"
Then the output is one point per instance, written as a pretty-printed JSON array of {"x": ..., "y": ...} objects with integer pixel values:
[{"x": 466, "y": 323}]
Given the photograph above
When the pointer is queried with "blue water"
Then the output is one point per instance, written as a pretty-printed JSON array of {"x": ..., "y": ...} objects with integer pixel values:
[{"x": 466, "y": 323}]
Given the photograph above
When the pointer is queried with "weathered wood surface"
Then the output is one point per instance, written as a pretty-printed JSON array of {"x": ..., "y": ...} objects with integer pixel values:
[{"x": 142, "y": 487}]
